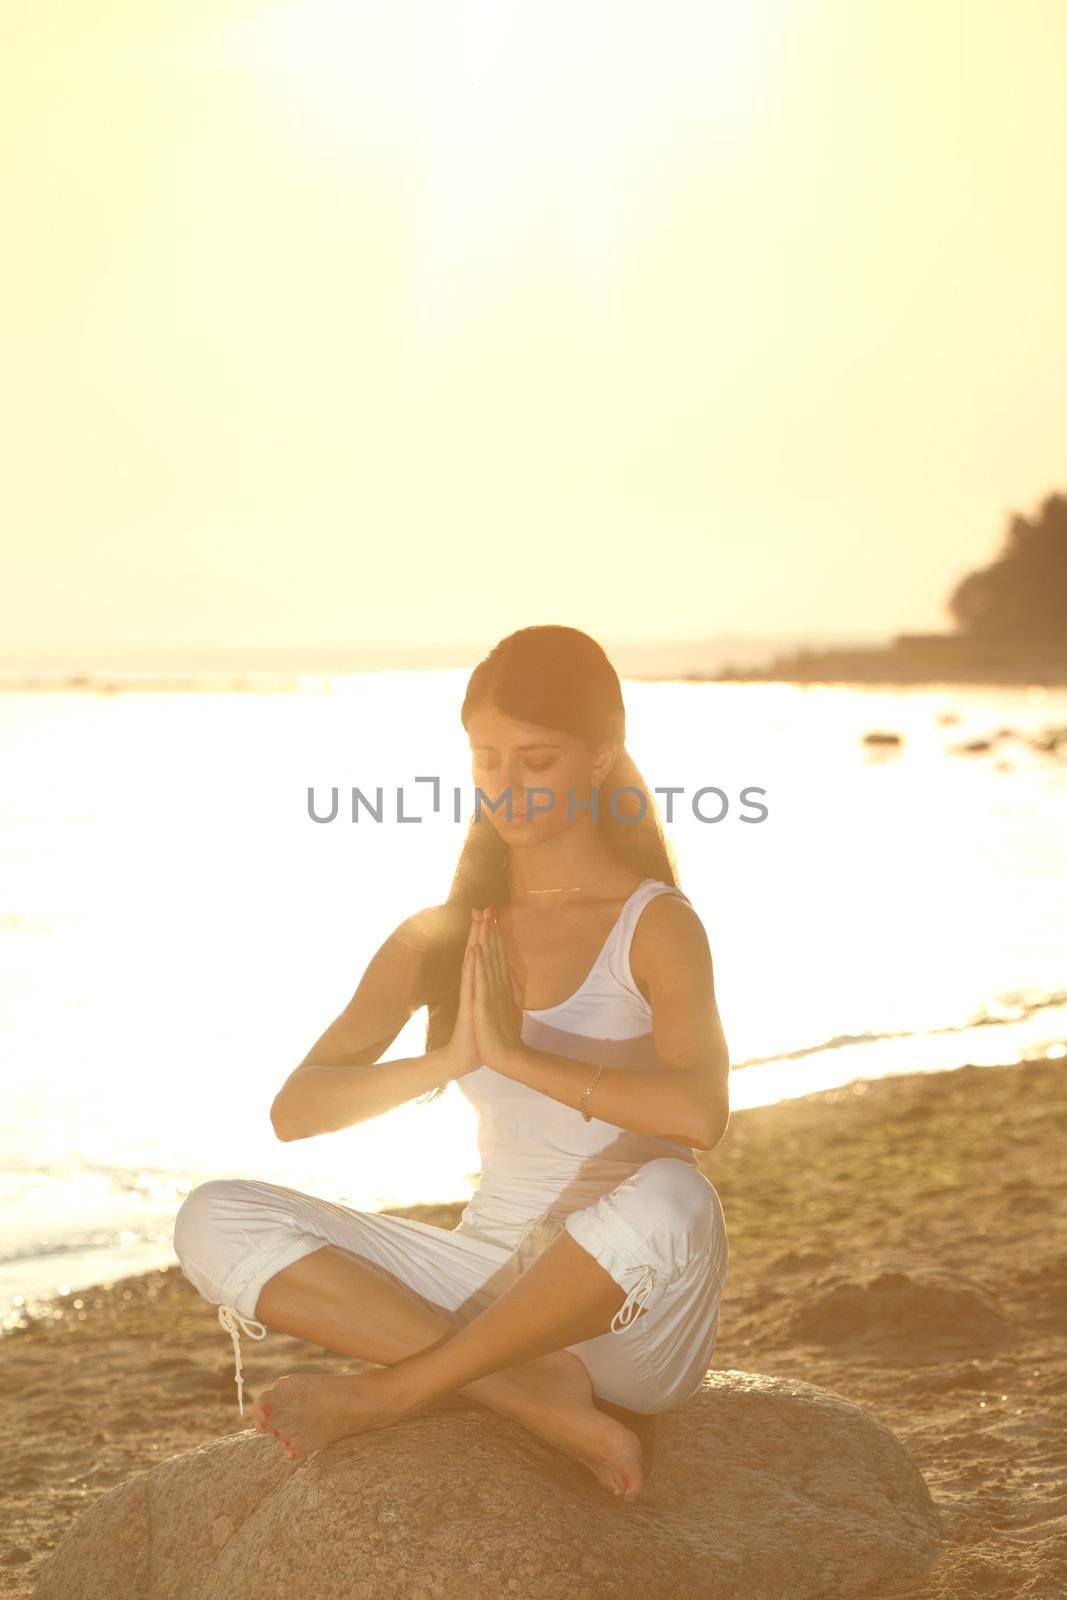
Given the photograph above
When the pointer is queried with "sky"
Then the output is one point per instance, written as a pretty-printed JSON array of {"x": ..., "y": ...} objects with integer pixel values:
[{"x": 341, "y": 323}]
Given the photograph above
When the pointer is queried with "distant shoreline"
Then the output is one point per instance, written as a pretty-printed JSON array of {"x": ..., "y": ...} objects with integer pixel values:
[
  {"x": 913, "y": 658},
  {"x": 874, "y": 677},
  {"x": 846, "y": 670},
  {"x": 84, "y": 683}
]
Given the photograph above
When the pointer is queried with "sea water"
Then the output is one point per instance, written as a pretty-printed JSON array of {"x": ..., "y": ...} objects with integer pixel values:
[{"x": 176, "y": 931}]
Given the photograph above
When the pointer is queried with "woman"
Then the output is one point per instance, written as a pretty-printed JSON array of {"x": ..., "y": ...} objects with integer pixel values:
[{"x": 583, "y": 1281}]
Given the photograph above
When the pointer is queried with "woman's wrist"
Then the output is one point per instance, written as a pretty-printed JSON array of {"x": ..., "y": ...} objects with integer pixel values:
[
  {"x": 511, "y": 1061},
  {"x": 448, "y": 1063}
]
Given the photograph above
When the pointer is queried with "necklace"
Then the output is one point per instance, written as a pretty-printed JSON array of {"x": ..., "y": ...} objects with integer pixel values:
[{"x": 566, "y": 889}]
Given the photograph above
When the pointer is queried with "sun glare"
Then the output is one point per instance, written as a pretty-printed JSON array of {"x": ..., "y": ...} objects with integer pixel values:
[{"x": 531, "y": 129}]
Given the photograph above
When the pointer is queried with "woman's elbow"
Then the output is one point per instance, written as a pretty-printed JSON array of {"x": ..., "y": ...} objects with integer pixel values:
[
  {"x": 293, "y": 1110},
  {"x": 717, "y": 1132},
  {"x": 284, "y": 1128},
  {"x": 713, "y": 1126}
]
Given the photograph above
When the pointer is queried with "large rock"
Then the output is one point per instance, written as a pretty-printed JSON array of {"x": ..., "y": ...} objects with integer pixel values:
[{"x": 762, "y": 1489}]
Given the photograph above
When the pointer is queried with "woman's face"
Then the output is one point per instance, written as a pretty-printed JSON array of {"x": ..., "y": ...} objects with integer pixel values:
[{"x": 522, "y": 756}]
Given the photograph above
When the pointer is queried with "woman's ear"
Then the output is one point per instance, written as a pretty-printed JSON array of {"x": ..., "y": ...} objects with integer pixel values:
[{"x": 603, "y": 761}]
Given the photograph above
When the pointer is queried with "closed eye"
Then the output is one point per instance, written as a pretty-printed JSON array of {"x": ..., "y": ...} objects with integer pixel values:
[{"x": 534, "y": 766}]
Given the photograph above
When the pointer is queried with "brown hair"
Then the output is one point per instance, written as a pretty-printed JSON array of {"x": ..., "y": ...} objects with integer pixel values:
[{"x": 557, "y": 678}]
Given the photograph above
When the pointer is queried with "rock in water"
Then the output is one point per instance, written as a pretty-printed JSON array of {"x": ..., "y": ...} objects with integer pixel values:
[{"x": 763, "y": 1488}]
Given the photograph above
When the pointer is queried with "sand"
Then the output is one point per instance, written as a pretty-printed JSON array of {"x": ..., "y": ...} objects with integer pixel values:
[{"x": 901, "y": 1242}]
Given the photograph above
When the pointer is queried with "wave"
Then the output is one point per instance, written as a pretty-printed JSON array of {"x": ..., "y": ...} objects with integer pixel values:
[{"x": 1004, "y": 1012}]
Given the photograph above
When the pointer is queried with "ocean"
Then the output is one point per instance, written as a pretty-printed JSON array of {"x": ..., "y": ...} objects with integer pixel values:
[{"x": 177, "y": 931}]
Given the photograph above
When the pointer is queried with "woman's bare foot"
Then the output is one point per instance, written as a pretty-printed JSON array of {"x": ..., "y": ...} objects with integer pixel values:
[
  {"x": 553, "y": 1397},
  {"x": 306, "y": 1413}
]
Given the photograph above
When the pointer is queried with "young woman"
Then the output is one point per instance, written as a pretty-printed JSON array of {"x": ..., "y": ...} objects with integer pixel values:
[{"x": 570, "y": 995}]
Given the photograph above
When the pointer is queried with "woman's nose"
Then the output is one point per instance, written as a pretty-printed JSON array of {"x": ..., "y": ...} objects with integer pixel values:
[{"x": 515, "y": 789}]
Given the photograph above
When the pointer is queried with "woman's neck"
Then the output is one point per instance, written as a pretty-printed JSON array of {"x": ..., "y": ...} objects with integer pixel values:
[{"x": 543, "y": 876}]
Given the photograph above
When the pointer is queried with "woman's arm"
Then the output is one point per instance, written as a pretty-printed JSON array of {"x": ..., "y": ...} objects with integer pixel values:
[
  {"x": 338, "y": 1083},
  {"x": 687, "y": 1099}
]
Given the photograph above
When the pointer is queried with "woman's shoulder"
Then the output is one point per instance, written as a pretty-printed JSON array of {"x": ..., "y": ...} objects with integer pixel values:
[
  {"x": 439, "y": 926},
  {"x": 668, "y": 928},
  {"x": 437, "y": 935}
]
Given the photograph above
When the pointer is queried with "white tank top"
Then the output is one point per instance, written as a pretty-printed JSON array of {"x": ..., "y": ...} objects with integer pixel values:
[{"x": 540, "y": 1158}]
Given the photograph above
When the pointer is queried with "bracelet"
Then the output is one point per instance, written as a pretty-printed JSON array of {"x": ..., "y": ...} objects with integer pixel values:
[{"x": 585, "y": 1097}]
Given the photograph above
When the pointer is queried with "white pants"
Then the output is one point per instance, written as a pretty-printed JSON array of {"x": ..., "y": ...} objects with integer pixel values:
[{"x": 660, "y": 1234}]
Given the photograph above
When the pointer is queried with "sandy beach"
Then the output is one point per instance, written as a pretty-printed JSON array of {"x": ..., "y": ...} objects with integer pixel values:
[{"x": 900, "y": 1242}]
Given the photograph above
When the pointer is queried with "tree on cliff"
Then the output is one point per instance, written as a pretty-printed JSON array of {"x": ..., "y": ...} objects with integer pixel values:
[{"x": 1022, "y": 596}]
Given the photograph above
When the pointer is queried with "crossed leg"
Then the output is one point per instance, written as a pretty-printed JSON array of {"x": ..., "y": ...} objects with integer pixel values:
[{"x": 509, "y": 1358}]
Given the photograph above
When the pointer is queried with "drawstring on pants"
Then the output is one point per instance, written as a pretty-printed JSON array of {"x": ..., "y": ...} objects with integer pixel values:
[
  {"x": 635, "y": 1300},
  {"x": 229, "y": 1317}
]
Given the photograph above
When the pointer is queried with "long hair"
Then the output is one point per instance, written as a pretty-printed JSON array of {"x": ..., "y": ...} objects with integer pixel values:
[{"x": 558, "y": 678}]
